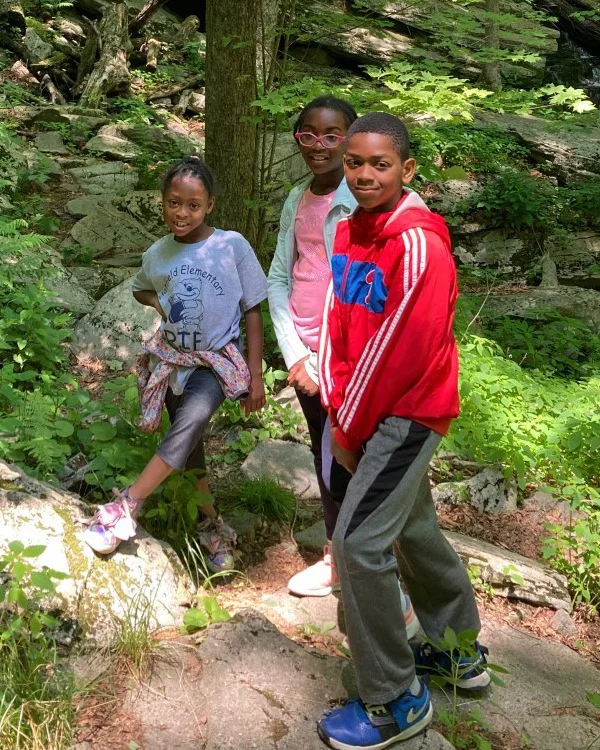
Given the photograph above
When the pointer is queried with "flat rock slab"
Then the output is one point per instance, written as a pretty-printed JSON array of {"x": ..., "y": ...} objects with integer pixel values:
[
  {"x": 50, "y": 142},
  {"x": 290, "y": 464},
  {"x": 545, "y": 692},
  {"x": 105, "y": 177},
  {"x": 312, "y": 614},
  {"x": 488, "y": 491},
  {"x": 245, "y": 686}
]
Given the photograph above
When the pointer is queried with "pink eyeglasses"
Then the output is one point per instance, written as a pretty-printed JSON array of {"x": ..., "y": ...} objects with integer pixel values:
[{"x": 329, "y": 140}]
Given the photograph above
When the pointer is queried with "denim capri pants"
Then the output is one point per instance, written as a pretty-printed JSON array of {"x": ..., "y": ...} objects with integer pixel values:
[{"x": 183, "y": 446}]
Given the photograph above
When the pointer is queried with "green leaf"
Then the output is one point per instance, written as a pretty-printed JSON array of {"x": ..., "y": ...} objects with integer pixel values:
[
  {"x": 42, "y": 581},
  {"x": 35, "y": 625},
  {"x": 103, "y": 431},
  {"x": 215, "y": 612},
  {"x": 19, "y": 570},
  {"x": 16, "y": 547},
  {"x": 17, "y": 596},
  {"x": 455, "y": 173},
  {"x": 63, "y": 428},
  {"x": 594, "y": 699},
  {"x": 34, "y": 550},
  {"x": 194, "y": 619}
]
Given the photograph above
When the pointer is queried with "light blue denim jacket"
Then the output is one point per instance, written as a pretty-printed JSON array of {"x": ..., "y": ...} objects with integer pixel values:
[{"x": 279, "y": 280}]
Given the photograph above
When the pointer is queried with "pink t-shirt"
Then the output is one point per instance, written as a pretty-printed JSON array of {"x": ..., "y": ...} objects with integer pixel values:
[{"x": 311, "y": 273}]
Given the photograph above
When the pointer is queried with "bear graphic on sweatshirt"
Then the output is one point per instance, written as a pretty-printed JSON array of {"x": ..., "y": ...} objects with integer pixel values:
[{"x": 186, "y": 303}]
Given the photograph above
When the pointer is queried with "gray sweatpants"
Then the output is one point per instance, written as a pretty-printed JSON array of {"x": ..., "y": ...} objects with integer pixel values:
[{"x": 389, "y": 500}]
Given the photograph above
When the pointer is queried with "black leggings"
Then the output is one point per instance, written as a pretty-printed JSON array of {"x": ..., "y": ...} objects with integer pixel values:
[{"x": 316, "y": 417}]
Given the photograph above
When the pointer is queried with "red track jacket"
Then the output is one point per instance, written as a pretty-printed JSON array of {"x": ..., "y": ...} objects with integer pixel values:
[{"x": 386, "y": 346}]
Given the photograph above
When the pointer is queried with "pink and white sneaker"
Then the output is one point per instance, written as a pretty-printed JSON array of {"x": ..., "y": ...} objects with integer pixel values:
[
  {"x": 112, "y": 524},
  {"x": 319, "y": 579}
]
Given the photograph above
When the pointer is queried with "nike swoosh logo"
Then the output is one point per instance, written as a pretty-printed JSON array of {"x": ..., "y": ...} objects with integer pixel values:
[{"x": 413, "y": 715}]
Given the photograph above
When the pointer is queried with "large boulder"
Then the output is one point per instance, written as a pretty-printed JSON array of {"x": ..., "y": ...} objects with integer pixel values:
[
  {"x": 116, "y": 327},
  {"x": 290, "y": 464},
  {"x": 99, "y": 590},
  {"x": 69, "y": 293}
]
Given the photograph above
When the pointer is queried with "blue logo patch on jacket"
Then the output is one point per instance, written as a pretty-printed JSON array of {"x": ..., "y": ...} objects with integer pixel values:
[{"x": 360, "y": 283}]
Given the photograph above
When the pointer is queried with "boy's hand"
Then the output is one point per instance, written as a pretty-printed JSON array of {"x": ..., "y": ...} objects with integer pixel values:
[
  {"x": 256, "y": 398},
  {"x": 300, "y": 379},
  {"x": 346, "y": 459}
]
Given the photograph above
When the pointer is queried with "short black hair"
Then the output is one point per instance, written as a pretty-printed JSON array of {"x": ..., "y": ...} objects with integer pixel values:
[
  {"x": 190, "y": 166},
  {"x": 384, "y": 123},
  {"x": 327, "y": 102}
]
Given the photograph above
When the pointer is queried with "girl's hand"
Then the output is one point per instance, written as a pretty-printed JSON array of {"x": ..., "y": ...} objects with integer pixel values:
[
  {"x": 159, "y": 310},
  {"x": 300, "y": 379},
  {"x": 256, "y": 398},
  {"x": 346, "y": 459}
]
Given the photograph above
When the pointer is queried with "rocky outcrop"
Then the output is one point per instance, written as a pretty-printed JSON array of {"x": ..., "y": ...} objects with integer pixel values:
[
  {"x": 568, "y": 152},
  {"x": 143, "y": 572},
  {"x": 570, "y": 301},
  {"x": 489, "y": 491}
]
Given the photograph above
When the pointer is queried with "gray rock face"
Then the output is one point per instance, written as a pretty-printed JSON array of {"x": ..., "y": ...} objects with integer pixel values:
[
  {"x": 493, "y": 248},
  {"x": 105, "y": 177},
  {"x": 563, "y": 624},
  {"x": 291, "y": 464},
  {"x": 146, "y": 207},
  {"x": 36, "y": 47},
  {"x": 112, "y": 147},
  {"x": 568, "y": 151},
  {"x": 115, "y": 328},
  {"x": 98, "y": 589},
  {"x": 512, "y": 575},
  {"x": 571, "y": 301},
  {"x": 488, "y": 491},
  {"x": 278, "y": 688},
  {"x": 578, "y": 259},
  {"x": 452, "y": 192},
  {"x": 109, "y": 231},
  {"x": 50, "y": 142},
  {"x": 99, "y": 280},
  {"x": 70, "y": 295}
]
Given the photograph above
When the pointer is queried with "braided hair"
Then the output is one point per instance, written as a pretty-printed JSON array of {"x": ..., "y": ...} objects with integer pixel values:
[
  {"x": 190, "y": 166},
  {"x": 327, "y": 102},
  {"x": 384, "y": 123}
]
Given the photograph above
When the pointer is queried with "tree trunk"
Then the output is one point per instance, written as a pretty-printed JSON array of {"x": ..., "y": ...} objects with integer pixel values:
[
  {"x": 145, "y": 15},
  {"x": 231, "y": 145},
  {"x": 88, "y": 58},
  {"x": 111, "y": 72},
  {"x": 490, "y": 72}
]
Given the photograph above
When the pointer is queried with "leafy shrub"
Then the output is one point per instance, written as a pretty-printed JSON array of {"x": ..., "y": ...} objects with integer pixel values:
[
  {"x": 460, "y": 144},
  {"x": 547, "y": 430},
  {"x": 580, "y": 204},
  {"x": 551, "y": 343},
  {"x": 36, "y": 692},
  {"x": 517, "y": 201}
]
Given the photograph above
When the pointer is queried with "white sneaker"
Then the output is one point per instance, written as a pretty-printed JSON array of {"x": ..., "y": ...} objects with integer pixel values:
[{"x": 319, "y": 579}]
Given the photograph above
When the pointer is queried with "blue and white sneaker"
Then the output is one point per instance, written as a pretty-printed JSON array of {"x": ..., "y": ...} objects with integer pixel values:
[
  {"x": 471, "y": 671},
  {"x": 369, "y": 727}
]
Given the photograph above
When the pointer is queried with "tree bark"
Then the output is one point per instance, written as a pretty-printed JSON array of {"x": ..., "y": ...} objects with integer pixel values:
[
  {"x": 88, "y": 58},
  {"x": 111, "y": 72},
  {"x": 231, "y": 144},
  {"x": 490, "y": 72}
]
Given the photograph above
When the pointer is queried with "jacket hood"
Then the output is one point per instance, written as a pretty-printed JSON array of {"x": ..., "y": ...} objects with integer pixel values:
[{"x": 412, "y": 212}]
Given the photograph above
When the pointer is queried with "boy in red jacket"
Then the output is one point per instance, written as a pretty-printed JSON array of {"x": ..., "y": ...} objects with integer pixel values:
[{"x": 389, "y": 380}]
